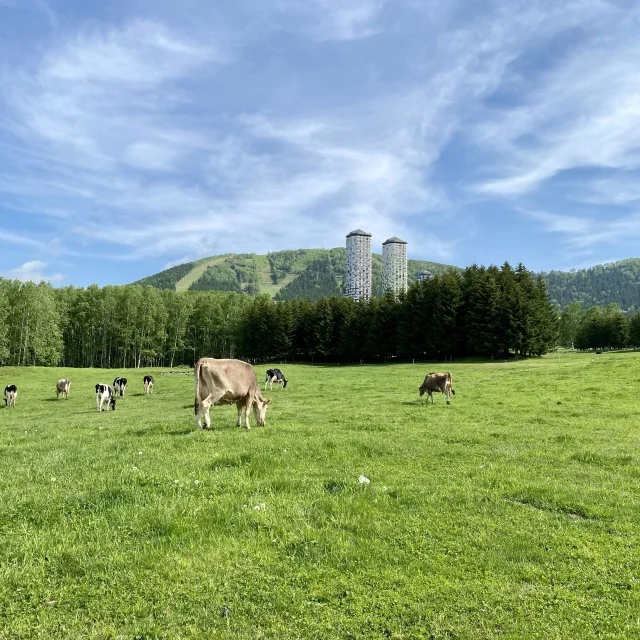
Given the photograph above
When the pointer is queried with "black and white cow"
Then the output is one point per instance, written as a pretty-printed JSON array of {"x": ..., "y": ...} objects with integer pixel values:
[
  {"x": 119, "y": 385},
  {"x": 104, "y": 394},
  {"x": 148, "y": 384},
  {"x": 275, "y": 375},
  {"x": 10, "y": 395}
]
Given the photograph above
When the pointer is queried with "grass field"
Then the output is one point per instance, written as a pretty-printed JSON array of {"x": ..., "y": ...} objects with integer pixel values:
[{"x": 512, "y": 513}]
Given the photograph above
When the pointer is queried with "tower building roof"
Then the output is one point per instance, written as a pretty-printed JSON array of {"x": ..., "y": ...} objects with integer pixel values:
[
  {"x": 359, "y": 232},
  {"x": 394, "y": 240}
]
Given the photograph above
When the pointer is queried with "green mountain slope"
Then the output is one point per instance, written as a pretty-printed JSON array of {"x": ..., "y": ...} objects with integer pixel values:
[
  {"x": 283, "y": 275},
  {"x": 617, "y": 282},
  {"x": 315, "y": 273}
]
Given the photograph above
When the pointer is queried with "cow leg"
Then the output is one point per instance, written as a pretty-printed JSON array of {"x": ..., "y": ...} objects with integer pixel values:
[
  {"x": 203, "y": 409},
  {"x": 246, "y": 403},
  {"x": 448, "y": 394},
  {"x": 240, "y": 406},
  {"x": 431, "y": 397}
]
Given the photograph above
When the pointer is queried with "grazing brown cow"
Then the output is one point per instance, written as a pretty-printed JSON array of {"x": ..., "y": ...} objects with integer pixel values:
[
  {"x": 228, "y": 382},
  {"x": 439, "y": 382},
  {"x": 62, "y": 387}
]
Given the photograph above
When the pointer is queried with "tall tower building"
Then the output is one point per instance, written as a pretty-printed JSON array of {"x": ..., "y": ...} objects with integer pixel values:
[
  {"x": 394, "y": 265},
  {"x": 358, "y": 276}
]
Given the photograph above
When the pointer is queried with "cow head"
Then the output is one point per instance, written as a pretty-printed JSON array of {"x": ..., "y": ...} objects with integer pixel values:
[
  {"x": 422, "y": 391},
  {"x": 260, "y": 410},
  {"x": 112, "y": 402}
]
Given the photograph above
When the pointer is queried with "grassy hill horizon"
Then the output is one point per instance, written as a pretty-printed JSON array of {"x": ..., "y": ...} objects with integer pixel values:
[
  {"x": 287, "y": 274},
  {"x": 316, "y": 273}
]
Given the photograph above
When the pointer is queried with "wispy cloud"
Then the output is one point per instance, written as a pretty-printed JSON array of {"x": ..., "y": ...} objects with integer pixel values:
[
  {"x": 33, "y": 271},
  {"x": 584, "y": 233},
  {"x": 582, "y": 113},
  {"x": 331, "y": 20}
]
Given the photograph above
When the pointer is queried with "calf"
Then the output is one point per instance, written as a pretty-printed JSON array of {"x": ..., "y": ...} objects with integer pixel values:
[
  {"x": 148, "y": 384},
  {"x": 275, "y": 375},
  {"x": 104, "y": 394},
  {"x": 10, "y": 395},
  {"x": 439, "y": 382},
  {"x": 62, "y": 387},
  {"x": 119, "y": 385}
]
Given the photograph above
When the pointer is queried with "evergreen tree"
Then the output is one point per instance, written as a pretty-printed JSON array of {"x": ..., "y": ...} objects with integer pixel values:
[{"x": 634, "y": 330}]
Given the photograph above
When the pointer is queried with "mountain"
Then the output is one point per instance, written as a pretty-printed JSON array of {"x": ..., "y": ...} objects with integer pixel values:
[
  {"x": 283, "y": 275},
  {"x": 617, "y": 282},
  {"x": 315, "y": 273}
]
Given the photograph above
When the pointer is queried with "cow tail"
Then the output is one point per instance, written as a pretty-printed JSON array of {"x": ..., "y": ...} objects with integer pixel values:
[{"x": 196, "y": 404}]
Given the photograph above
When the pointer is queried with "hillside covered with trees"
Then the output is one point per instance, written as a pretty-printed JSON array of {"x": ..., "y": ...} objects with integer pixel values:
[
  {"x": 615, "y": 282},
  {"x": 478, "y": 312},
  {"x": 316, "y": 273},
  {"x": 282, "y": 275}
]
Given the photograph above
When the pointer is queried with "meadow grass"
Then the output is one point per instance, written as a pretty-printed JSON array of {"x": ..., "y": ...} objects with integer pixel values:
[{"x": 512, "y": 513}]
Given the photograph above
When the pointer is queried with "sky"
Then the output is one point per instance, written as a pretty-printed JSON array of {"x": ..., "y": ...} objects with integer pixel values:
[{"x": 138, "y": 134}]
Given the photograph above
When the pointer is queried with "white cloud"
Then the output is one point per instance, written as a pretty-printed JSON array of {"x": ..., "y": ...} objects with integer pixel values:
[
  {"x": 584, "y": 233},
  {"x": 33, "y": 271},
  {"x": 583, "y": 113}
]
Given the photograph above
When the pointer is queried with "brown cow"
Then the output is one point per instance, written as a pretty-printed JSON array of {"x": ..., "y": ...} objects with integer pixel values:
[
  {"x": 439, "y": 382},
  {"x": 62, "y": 387},
  {"x": 228, "y": 382}
]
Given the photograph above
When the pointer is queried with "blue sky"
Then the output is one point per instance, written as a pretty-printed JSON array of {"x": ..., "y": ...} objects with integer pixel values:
[{"x": 138, "y": 134}]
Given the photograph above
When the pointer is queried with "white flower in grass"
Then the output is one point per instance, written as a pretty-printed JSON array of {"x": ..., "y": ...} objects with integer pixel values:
[
  {"x": 53, "y": 479},
  {"x": 284, "y": 451},
  {"x": 176, "y": 481},
  {"x": 139, "y": 453},
  {"x": 364, "y": 480},
  {"x": 196, "y": 482},
  {"x": 260, "y": 507}
]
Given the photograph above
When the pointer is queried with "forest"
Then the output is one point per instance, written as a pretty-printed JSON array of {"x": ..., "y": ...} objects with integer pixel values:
[
  {"x": 617, "y": 282},
  {"x": 598, "y": 327},
  {"x": 488, "y": 312}
]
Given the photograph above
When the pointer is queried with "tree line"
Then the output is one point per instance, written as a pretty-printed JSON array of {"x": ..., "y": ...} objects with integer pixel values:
[
  {"x": 598, "y": 327},
  {"x": 489, "y": 312}
]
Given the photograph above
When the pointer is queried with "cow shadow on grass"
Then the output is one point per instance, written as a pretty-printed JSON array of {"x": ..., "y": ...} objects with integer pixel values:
[{"x": 180, "y": 432}]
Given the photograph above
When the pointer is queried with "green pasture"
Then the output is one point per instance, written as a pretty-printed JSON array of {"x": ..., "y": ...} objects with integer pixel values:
[{"x": 512, "y": 513}]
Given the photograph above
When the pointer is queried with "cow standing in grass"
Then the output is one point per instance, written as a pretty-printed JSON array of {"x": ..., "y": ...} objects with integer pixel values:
[
  {"x": 10, "y": 395},
  {"x": 228, "y": 382},
  {"x": 148, "y": 384},
  {"x": 438, "y": 382},
  {"x": 62, "y": 387},
  {"x": 275, "y": 375},
  {"x": 105, "y": 395},
  {"x": 119, "y": 386}
]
